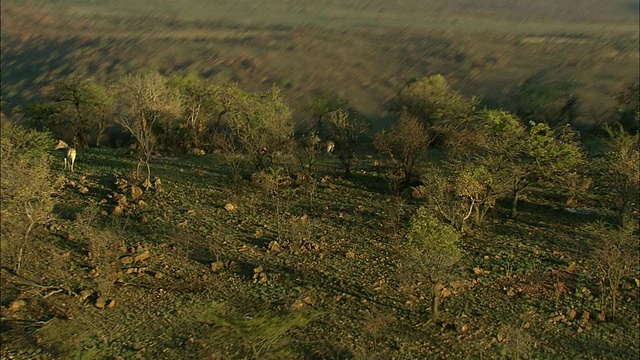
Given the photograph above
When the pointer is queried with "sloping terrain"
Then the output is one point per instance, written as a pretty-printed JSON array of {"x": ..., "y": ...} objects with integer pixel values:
[{"x": 313, "y": 271}]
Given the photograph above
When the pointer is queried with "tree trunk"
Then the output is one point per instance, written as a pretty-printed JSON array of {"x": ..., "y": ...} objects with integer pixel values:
[
  {"x": 514, "y": 204},
  {"x": 436, "y": 303},
  {"x": 99, "y": 136},
  {"x": 517, "y": 190}
]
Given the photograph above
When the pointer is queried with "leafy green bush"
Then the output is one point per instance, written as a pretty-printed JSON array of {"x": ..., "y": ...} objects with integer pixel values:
[
  {"x": 435, "y": 242},
  {"x": 432, "y": 251}
]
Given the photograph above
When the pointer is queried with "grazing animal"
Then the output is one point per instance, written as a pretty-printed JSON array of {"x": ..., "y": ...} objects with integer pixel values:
[
  {"x": 330, "y": 147},
  {"x": 69, "y": 154}
]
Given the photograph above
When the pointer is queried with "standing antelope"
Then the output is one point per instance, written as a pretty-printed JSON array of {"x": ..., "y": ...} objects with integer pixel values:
[
  {"x": 330, "y": 147},
  {"x": 69, "y": 155}
]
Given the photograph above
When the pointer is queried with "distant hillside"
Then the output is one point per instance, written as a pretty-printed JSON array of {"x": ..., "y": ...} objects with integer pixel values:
[{"x": 363, "y": 50}]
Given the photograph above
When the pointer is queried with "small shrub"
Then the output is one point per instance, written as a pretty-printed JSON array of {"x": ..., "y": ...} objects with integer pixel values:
[
  {"x": 615, "y": 258},
  {"x": 27, "y": 186},
  {"x": 432, "y": 251}
]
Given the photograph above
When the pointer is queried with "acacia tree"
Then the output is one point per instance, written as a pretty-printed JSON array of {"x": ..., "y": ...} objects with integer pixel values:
[
  {"x": 84, "y": 104},
  {"x": 227, "y": 97},
  {"x": 548, "y": 156},
  {"x": 504, "y": 158},
  {"x": 261, "y": 124},
  {"x": 619, "y": 169},
  {"x": 321, "y": 105},
  {"x": 403, "y": 143},
  {"x": 457, "y": 191},
  {"x": 627, "y": 109},
  {"x": 146, "y": 100},
  {"x": 40, "y": 116},
  {"x": 199, "y": 104},
  {"x": 347, "y": 129},
  {"x": 432, "y": 249},
  {"x": 551, "y": 102},
  {"x": 432, "y": 100}
]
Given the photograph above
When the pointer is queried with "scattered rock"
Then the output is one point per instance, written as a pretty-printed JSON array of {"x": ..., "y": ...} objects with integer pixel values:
[
  {"x": 445, "y": 292},
  {"x": 274, "y": 247},
  {"x": 121, "y": 200},
  {"x": 111, "y": 303},
  {"x": 230, "y": 207},
  {"x": 571, "y": 313},
  {"x": 217, "y": 266},
  {"x": 17, "y": 305},
  {"x": 297, "y": 305},
  {"x": 144, "y": 256},
  {"x": 135, "y": 270},
  {"x": 83, "y": 189},
  {"x": 197, "y": 151},
  {"x": 311, "y": 246},
  {"x": 464, "y": 328},
  {"x": 350, "y": 255},
  {"x": 585, "y": 316},
  {"x": 526, "y": 325},
  {"x": 477, "y": 271},
  {"x": 259, "y": 276},
  {"x": 117, "y": 211},
  {"x": 308, "y": 300},
  {"x": 136, "y": 192},
  {"x": 142, "y": 203},
  {"x": 100, "y": 302},
  {"x": 84, "y": 295}
]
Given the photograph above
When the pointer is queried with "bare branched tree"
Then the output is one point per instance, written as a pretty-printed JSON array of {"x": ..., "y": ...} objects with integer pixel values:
[{"x": 146, "y": 100}]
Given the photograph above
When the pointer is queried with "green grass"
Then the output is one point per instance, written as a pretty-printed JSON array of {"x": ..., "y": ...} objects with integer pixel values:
[{"x": 317, "y": 302}]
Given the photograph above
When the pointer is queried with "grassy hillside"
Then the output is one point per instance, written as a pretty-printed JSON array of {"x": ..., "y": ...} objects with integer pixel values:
[
  {"x": 177, "y": 275},
  {"x": 199, "y": 266},
  {"x": 365, "y": 51}
]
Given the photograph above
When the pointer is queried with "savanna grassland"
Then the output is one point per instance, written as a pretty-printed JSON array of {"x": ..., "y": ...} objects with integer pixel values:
[
  {"x": 250, "y": 239},
  {"x": 316, "y": 272}
]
